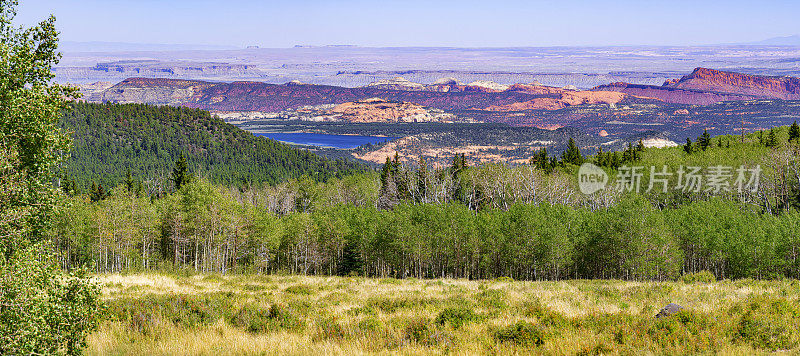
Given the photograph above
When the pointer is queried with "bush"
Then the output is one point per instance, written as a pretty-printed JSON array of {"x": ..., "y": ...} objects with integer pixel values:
[
  {"x": 521, "y": 333},
  {"x": 300, "y": 289},
  {"x": 698, "y": 277},
  {"x": 769, "y": 324},
  {"x": 456, "y": 317},
  {"x": 257, "y": 319},
  {"x": 419, "y": 331},
  {"x": 330, "y": 329}
]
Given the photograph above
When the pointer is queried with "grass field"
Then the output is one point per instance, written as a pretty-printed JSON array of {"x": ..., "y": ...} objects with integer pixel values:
[{"x": 251, "y": 314}]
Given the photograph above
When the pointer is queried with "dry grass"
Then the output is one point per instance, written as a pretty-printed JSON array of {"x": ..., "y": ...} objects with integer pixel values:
[{"x": 298, "y": 315}]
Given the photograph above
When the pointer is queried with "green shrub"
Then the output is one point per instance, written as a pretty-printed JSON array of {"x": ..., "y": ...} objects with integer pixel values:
[
  {"x": 698, "y": 277},
  {"x": 419, "y": 331},
  {"x": 330, "y": 329},
  {"x": 544, "y": 315},
  {"x": 391, "y": 305},
  {"x": 503, "y": 279},
  {"x": 522, "y": 333},
  {"x": 252, "y": 318},
  {"x": 369, "y": 326},
  {"x": 493, "y": 298},
  {"x": 770, "y": 324},
  {"x": 257, "y": 319},
  {"x": 300, "y": 289},
  {"x": 456, "y": 317}
]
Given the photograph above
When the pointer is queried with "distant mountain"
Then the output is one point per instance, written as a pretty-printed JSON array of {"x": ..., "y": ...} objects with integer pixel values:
[
  {"x": 712, "y": 80},
  {"x": 99, "y": 46},
  {"x": 778, "y": 41},
  {"x": 256, "y": 96},
  {"x": 707, "y": 86}
]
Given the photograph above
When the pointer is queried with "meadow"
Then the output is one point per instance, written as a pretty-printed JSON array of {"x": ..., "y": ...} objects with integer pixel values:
[{"x": 291, "y": 314}]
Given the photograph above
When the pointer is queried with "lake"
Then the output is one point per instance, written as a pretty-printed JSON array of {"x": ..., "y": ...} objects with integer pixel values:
[{"x": 324, "y": 140}]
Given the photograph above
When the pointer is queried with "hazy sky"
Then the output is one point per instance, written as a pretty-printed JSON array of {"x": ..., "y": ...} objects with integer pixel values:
[{"x": 461, "y": 23}]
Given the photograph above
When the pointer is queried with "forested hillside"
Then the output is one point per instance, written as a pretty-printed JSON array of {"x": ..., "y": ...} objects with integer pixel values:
[
  {"x": 525, "y": 222},
  {"x": 110, "y": 139}
]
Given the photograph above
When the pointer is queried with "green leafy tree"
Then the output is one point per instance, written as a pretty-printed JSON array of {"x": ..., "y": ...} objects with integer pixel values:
[{"x": 42, "y": 309}]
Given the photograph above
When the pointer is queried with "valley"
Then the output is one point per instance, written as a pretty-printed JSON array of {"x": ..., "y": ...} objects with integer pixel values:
[{"x": 485, "y": 120}]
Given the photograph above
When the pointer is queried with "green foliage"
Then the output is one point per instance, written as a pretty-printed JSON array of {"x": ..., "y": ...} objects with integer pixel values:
[
  {"x": 688, "y": 146},
  {"x": 772, "y": 139},
  {"x": 456, "y": 317},
  {"x": 704, "y": 141},
  {"x": 698, "y": 277},
  {"x": 42, "y": 309},
  {"x": 149, "y": 140},
  {"x": 769, "y": 324},
  {"x": 180, "y": 173},
  {"x": 794, "y": 133},
  {"x": 572, "y": 155},
  {"x": 521, "y": 333},
  {"x": 420, "y": 331}
]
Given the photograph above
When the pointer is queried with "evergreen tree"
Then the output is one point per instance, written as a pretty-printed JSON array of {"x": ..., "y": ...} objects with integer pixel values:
[
  {"x": 180, "y": 174},
  {"x": 772, "y": 139},
  {"x": 97, "y": 193},
  {"x": 541, "y": 160},
  {"x": 600, "y": 158},
  {"x": 129, "y": 181},
  {"x": 705, "y": 140},
  {"x": 688, "y": 146},
  {"x": 794, "y": 133},
  {"x": 386, "y": 172},
  {"x": 573, "y": 154}
]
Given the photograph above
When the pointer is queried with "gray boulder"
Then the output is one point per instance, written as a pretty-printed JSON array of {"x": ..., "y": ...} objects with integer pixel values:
[{"x": 669, "y": 310}]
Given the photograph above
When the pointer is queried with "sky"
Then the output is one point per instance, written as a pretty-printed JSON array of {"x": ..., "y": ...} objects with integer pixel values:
[{"x": 389, "y": 23}]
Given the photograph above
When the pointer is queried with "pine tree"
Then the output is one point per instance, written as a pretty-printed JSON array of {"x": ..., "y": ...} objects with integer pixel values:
[
  {"x": 794, "y": 133},
  {"x": 540, "y": 159},
  {"x": 573, "y": 154},
  {"x": 129, "y": 181},
  {"x": 772, "y": 139},
  {"x": 600, "y": 157},
  {"x": 180, "y": 174},
  {"x": 386, "y": 172},
  {"x": 688, "y": 147},
  {"x": 705, "y": 140}
]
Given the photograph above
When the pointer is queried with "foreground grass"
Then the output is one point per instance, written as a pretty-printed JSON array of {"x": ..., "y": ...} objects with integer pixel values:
[{"x": 212, "y": 314}]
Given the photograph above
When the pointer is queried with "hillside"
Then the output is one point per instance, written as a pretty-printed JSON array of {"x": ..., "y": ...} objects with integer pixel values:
[
  {"x": 110, "y": 138},
  {"x": 705, "y": 86},
  {"x": 705, "y": 79}
]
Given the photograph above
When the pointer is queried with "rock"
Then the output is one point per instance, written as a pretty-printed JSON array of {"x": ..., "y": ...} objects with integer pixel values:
[
  {"x": 397, "y": 83},
  {"x": 447, "y": 81},
  {"x": 488, "y": 85},
  {"x": 669, "y": 310}
]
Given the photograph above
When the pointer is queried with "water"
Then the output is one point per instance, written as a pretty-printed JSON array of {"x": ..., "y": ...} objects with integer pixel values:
[{"x": 324, "y": 140}]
